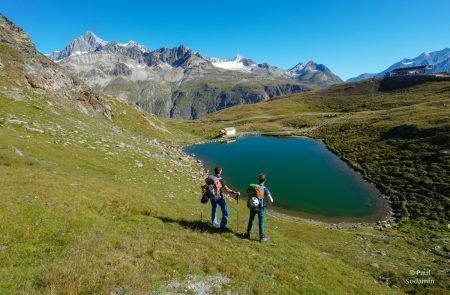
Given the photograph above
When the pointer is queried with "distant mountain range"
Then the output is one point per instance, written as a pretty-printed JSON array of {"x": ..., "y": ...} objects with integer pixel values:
[
  {"x": 178, "y": 82},
  {"x": 440, "y": 60}
]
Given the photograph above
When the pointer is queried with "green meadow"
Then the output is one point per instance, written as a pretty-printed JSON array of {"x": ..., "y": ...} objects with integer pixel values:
[{"x": 90, "y": 206}]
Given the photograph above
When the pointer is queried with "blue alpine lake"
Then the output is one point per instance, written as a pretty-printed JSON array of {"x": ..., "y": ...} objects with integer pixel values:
[{"x": 303, "y": 176}]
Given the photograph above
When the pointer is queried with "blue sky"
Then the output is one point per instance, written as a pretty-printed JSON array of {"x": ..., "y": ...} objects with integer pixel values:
[{"x": 349, "y": 36}]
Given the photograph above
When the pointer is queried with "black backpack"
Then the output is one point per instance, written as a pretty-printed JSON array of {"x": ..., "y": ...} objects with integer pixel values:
[{"x": 212, "y": 189}]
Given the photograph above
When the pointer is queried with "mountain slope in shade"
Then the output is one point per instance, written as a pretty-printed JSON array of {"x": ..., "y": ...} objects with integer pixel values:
[{"x": 439, "y": 59}]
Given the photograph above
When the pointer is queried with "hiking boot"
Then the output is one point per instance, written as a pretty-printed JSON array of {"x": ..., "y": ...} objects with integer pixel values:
[
  {"x": 246, "y": 236},
  {"x": 263, "y": 240},
  {"x": 213, "y": 224},
  {"x": 225, "y": 229}
]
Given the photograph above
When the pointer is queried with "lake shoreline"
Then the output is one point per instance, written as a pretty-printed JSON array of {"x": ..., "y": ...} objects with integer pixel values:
[{"x": 385, "y": 215}]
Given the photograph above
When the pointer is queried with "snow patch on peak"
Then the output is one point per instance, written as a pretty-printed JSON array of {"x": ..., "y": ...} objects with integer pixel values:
[
  {"x": 135, "y": 66},
  {"x": 230, "y": 65},
  {"x": 237, "y": 64},
  {"x": 75, "y": 53},
  {"x": 79, "y": 52},
  {"x": 132, "y": 43},
  {"x": 238, "y": 58},
  {"x": 129, "y": 43}
]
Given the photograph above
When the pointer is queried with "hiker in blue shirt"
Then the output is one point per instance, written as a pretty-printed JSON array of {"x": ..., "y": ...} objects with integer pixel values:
[
  {"x": 259, "y": 209},
  {"x": 219, "y": 200}
]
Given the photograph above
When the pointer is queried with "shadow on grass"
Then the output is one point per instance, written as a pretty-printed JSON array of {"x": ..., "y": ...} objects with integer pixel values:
[
  {"x": 194, "y": 225},
  {"x": 201, "y": 227}
]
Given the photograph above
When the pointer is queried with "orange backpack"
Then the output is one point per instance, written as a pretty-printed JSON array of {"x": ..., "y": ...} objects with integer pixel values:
[{"x": 255, "y": 190}]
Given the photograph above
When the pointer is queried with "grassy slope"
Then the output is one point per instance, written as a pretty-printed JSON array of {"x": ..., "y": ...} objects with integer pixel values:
[{"x": 77, "y": 215}]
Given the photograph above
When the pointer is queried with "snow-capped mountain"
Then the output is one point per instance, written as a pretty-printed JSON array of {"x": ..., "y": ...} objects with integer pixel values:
[
  {"x": 439, "y": 59},
  {"x": 89, "y": 42},
  {"x": 242, "y": 64},
  {"x": 179, "y": 82}
]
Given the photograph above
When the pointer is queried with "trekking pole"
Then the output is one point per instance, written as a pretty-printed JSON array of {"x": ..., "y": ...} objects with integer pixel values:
[
  {"x": 237, "y": 213},
  {"x": 201, "y": 206},
  {"x": 201, "y": 213},
  {"x": 264, "y": 208},
  {"x": 206, "y": 172},
  {"x": 267, "y": 213}
]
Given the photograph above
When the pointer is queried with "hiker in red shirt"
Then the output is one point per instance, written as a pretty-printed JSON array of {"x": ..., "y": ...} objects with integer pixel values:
[{"x": 217, "y": 197}]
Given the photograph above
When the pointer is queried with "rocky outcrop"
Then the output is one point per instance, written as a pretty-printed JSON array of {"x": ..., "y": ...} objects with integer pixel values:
[
  {"x": 174, "y": 57},
  {"x": 23, "y": 64},
  {"x": 120, "y": 69}
]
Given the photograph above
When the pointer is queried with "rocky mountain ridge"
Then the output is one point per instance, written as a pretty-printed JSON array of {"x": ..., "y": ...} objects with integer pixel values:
[
  {"x": 314, "y": 73},
  {"x": 179, "y": 82}
]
